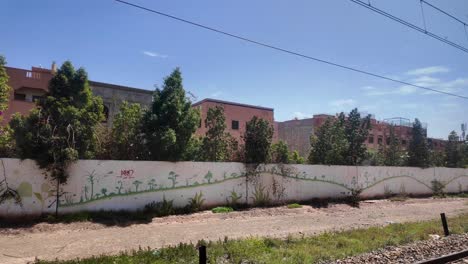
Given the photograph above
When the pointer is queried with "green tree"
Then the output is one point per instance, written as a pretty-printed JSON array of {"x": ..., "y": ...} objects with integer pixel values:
[
  {"x": 169, "y": 124},
  {"x": 329, "y": 145},
  {"x": 454, "y": 151},
  {"x": 194, "y": 151},
  {"x": 280, "y": 153},
  {"x": 215, "y": 143},
  {"x": 7, "y": 145},
  {"x": 296, "y": 158},
  {"x": 357, "y": 131},
  {"x": 418, "y": 151},
  {"x": 392, "y": 153},
  {"x": 5, "y": 89},
  {"x": 437, "y": 158},
  {"x": 257, "y": 138},
  {"x": 126, "y": 139},
  {"x": 61, "y": 129}
]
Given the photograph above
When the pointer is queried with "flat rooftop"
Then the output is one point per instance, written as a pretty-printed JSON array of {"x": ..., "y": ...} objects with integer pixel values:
[{"x": 232, "y": 103}]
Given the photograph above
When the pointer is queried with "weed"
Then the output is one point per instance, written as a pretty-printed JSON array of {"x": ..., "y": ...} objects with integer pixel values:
[
  {"x": 196, "y": 203},
  {"x": 303, "y": 249},
  {"x": 261, "y": 197},
  {"x": 235, "y": 198},
  {"x": 437, "y": 188},
  {"x": 218, "y": 210},
  {"x": 294, "y": 205},
  {"x": 163, "y": 208}
]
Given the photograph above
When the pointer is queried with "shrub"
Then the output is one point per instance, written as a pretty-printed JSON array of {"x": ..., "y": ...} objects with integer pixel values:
[
  {"x": 294, "y": 205},
  {"x": 222, "y": 209},
  {"x": 196, "y": 203},
  {"x": 163, "y": 208}
]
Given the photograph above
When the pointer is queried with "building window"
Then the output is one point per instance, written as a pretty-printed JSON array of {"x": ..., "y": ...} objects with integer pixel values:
[
  {"x": 388, "y": 141},
  {"x": 20, "y": 97},
  {"x": 403, "y": 142},
  {"x": 235, "y": 124},
  {"x": 379, "y": 141},
  {"x": 371, "y": 139}
]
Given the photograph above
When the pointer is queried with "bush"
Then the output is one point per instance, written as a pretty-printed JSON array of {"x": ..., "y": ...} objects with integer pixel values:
[
  {"x": 218, "y": 210},
  {"x": 163, "y": 208},
  {"x": 196, "y": 203},
  {"x": 294, "y": 205}
]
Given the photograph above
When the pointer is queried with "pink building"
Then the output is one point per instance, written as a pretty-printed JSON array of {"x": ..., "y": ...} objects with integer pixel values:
[{"x": 237, "y": 115}]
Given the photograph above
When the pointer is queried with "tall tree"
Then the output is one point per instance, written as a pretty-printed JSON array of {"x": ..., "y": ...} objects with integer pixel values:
[
  {"x": 6, "y": 140},
  {"x": 329, "y": 145},
  {"x": 280, "y": 153},
  {"x": 215, "y": 143},
  {"x": 126, "y": 141},
  {"x": 453, "y": 151},
  {"x": 258, "y": 136},
  {"x": 357, "y": 131},
  {"x": 169, "y": 124},
  {"x": 61, "y": 129},
  {"x": 418, "y": 151},
  {"x": 392, "y": 153},
  {"x": 4, "y": 87}
]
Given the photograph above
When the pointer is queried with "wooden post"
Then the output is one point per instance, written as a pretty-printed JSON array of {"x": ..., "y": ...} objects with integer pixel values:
[
  {"x": 444, "y": 224},
  {"x": 202, "y": 254}
]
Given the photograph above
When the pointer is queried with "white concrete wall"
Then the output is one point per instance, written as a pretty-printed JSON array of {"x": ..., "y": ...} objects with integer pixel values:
[{"x": 130, "y": 185}]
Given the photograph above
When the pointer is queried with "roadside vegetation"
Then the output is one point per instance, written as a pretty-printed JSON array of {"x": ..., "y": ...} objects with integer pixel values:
[{"x": 303, "y": 249}]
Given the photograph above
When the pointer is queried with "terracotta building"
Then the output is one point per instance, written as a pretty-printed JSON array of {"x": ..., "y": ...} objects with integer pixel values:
[
  {"x": 296, "y": 133},
  {"x": 30, "y": 85},
  {"x": 237, "y": 115}
]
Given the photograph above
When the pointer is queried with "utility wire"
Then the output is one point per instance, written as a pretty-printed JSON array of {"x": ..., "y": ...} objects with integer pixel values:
[
  {"x": 423, "y": 17},
  {"x": 410, "y": 25},
  {"x": 449, "y": 15},
  {"x": 443, "y": 12},
  {"x": 287, "y": 51}
]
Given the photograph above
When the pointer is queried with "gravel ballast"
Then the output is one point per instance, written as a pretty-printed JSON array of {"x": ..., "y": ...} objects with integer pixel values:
[{"x": 414, "y": 252}]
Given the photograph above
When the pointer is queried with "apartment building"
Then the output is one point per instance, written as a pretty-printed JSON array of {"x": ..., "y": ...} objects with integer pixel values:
[
  {"x": 30, "y": 85},
  {"x": 237, "y": 115}
]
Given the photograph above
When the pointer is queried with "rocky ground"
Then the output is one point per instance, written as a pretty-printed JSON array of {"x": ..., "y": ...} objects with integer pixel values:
[{"x": 414, "y": 252}]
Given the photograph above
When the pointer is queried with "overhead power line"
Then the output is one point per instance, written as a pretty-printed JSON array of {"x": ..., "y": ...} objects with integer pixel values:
[
  {"x": 410, "y": 25},
  {"x": 287, "y": 51},
  {"x": 443, "y": 12},
  {"x": 465, "y": 24}
]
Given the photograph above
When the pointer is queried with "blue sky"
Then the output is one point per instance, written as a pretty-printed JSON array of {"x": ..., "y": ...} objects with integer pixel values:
[{"x": 122, "y": 45}]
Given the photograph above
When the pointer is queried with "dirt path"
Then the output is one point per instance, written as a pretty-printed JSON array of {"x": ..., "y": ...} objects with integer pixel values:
[{"x": 65, "y": 241}]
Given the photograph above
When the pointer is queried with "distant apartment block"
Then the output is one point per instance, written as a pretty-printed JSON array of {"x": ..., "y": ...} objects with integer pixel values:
[
  {"x": 237, "y": 115},
  {"x": 296, "y": 133},
  {"x": 30, "y": 85}
]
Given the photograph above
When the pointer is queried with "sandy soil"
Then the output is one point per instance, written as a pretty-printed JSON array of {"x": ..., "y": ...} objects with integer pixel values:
[{"x": 66, "y": 241}]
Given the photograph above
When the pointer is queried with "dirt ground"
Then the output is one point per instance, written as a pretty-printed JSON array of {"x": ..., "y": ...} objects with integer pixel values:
[{"x": 66, "y": 241}]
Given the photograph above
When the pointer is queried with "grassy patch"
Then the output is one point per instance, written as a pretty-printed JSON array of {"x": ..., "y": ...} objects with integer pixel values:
[
  {"x": 294, "y": 205},
  {"x": 218, "y": 210},
  {"x": 327, "y": 246},
  {"x": 398, "y": 198}
]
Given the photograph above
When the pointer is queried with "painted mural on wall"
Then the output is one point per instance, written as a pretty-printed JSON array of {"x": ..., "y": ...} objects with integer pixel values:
[
  {"x": 107, "y": 185},
  {"x": 125, "y": 184}
]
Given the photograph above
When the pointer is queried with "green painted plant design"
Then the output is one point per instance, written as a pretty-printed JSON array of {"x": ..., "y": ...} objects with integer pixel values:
[
  {"x": 136, "y": 183},
  {"x": 209, "y": 176},
  {"x": 152, "y": 184},
  {"x": 173, "y": 177}
]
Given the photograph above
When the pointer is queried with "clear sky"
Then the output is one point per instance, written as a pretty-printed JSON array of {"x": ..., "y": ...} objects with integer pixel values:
[{"x": 122, "y": 45}]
